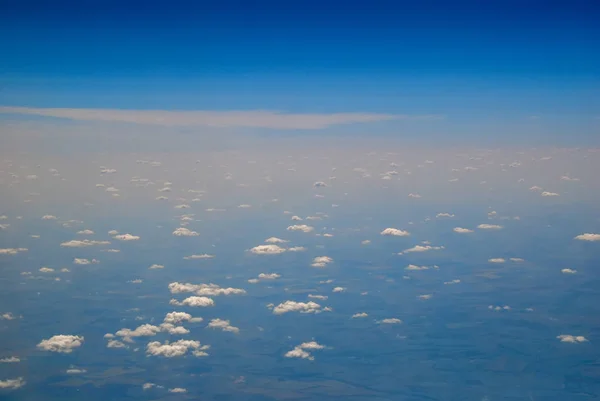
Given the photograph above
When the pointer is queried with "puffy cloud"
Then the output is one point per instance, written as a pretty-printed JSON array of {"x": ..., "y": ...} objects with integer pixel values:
[
  {"x": 297, "y": 249},
  {"x": 85, "y": 232},
  {"x": 179, "y": 317},
  {"x": 461, "y": 230},
  {"x": 359, "y": 315},
  {"x": 296, "y": 218},
  {"x": 275, "y": 240},
  {"x": 184, "y": 232},
  {"x": 300, "y": 350},
  {"x": 223, "y": 325},
  {"x": 204, "y": 289},
  {"x": 177, "y": 390},
  {"x": 46, "y": 270},
  {"x": 80, "y": 244},
  {"x": 497, "y": 260},
  {"x": 171, "y": 350},
  {"x": 11, "y": 251},
  {"x": 546, "y": 193},
  {"x": 395, "y": 232},
  {"x": 489, "y": 227},
  {"x": 115, "y": 344},
  {"x": 321, "y": 261},
  {"x": 293, "y": 306},
  {"x": 155, "y": 266},
  {"x": 174, "y": 330},
  {"x": 588, "y": 237},
  {"x": 12, "y": 359},
  {"x": 194, "y": 301},
  {"x": 200, "y": 256},
  {"x": 61, "y": 343},
  {"x": 7, "y": 316},
  {"x": 48, "y": 217},
  {"x": 302, "y": 227},
  {"x": 12, "y": 384},
  {"x": 339, "y": 289},
  {"x": 392, "y": 320},
  {"x": 535, "y": 188},
  {"x": 365, "y": 242},
  {"x": 113, "y": 232},
  {"x": 421, "y": 248},
  {"x": 126, "y": 237},
  {"x": 568, "y": 271},
  {"x": 145, "y": 330},
  {"x": 81, "y": 261},
  {"x": 568, "y": 338},
  {"x": 270, "y": 249}
]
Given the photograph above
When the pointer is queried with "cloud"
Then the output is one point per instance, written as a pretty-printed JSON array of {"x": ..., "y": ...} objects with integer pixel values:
[
  {"x": 321, "y": 297},
  {"x": 302, "y": 227},
  {"x": 184, "y": 232},
  {"x": 194, "y": 301},
  {"x": 12, "y": 359},
  {"x": 461, "y": 230},
  {"x": 75, "y": 371},
  {"x": 421, "y": 248},
  {"x": 568, "y": 338},
  {"x": 455, "y": 281},
  {"x": 145, "y": 330},
  {"x": 61, "y": 343},
  {"x": 293, "y": 306},
  {"x": 80, "y": 244},
  {"x": 489, "y": 227},
  {"x": 174, "y": 349},
  {"x": 546, "y": 193},
  {"x": 81, "y": 261},
  {"x": 339, "y": 289},
  {"x": 395, "y": 232},
  {"x": 498, "y": 307},
  {"x": 179, "y": 317},
  {"x": 115, "y": 344},
  {"x": 270, "y": 249},
  {"x": 300, "y": 350},
  {"x": 568, "y": 271},
  {"x": 359, "y": 315},
  {"x": 204, "y": 289},
  {"x": 392, "y": 320},
  {"x": 126, "y": 237},
  {"x": 251, "y": 119},
  {"x": 201, "y": 256},
  {"x": 497, "y": 260},
  {"x": 12, "y": 383},
  {"x": 223, "y": 325},
  {"x": 440, "y": 215},
  {"x": 11, "y": 251},
  {"x": 46, "y": 270},
  {"x": 588, "y": 237},
  {"x": 297, "y": 249},
  {"x": 7, "y": 316},
  {"x": 321, "y": 261},
  {"x": 47, "y": 216},
  {"x": 155, "y": 266},
  {"x": 275, "y": 240},
  {"x": 85, "y": 232},
  {"x": 177, "y": 390}
]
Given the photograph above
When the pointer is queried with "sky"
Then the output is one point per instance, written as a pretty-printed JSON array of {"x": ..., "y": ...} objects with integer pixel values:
[{"x": 299, "y": 201}]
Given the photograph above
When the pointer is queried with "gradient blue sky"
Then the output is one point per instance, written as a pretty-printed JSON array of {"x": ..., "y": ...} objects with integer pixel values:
[{"x": 527, "y": 66}]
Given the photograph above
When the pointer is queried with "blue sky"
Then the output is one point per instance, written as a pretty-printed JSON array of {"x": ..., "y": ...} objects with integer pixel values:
[{"x": 488, "y": 68}]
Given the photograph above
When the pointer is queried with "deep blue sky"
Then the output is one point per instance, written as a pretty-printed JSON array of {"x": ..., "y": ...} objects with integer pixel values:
[{"x": 470, "y": 58}]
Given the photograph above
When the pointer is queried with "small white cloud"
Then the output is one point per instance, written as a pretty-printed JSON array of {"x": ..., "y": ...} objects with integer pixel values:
[
  {"x": 319, "y": 184},
  {"x": 568, "y": 338},
  {"x": 535, "y": 188},
  {"x": 296, "y": 218},
  {"x": 61, "y": 343},
  {"x": 297, "y": 249},
  {"x": 498, "y": 308},
  {"x": 321, "y": 297},
  {"x": 12, "y": 359},
  {"x": 302, "y": 227},
  {"x": 155, "y": 266},
  {"x": 126, "y": 237},
  {"x": 177, "y": 390},
  {"x": 223, "y": 325},
  {"x": 392, "y": 320},
  {"x": 546, "y": 193},
  {"x": 567, "y": 178},
  {"x": 46, "y": 270},
  {"x": 200, "y": 256},
  {"x": 568, "y": 271},
  {"x": 115, "y": 344},
  {"x": 359, "y": 315},
  {"x": 489, "y": 227},
  {"x": 339, "y": 289},
  {"x": 415, "y": 196},
  {"x": 12, "y": 251},
  {"x": 455, "y": 281},
  {"x": 461, "y": 230},
  {"x": 268, "y": 276},
  {"x": 517, "y": 260},
  {"x": 300, "y": 350},
  {"x": 171, "y": 350},
  {"x": 7, "y": 316},
  {"x": 275, "y": 240},
  {"x": 442, "y": 215},
  {"x": 81, "y": 261},
  {"x": 12, "y": 384},
  {"x": 365, "y": 242},
  {"x": 84, "y": 243},
  {"x": 588, "y": 237},
  {"x": 497, "y": 260},
  {"x": 85, "y": 232},
  {"x": 421, "y": 248},
  {"x": 194, "y": 301},
  {"x": 416, "y": 268},
  {"x": 184, "y": 232},
  {"x": 270, "y": 249},
  {"x": 204, "y": 289},
  {"x": 395, "y": 232},
  {"x": 321, "y": 261},
  {"x": 425, "y": 296},
  {"x": 292, "y": 306},
  {"x": 75, "y": 371},
  {"x": 48, "y": 217}
]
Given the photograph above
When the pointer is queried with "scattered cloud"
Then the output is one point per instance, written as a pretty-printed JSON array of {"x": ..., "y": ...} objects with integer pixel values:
[
  {"x": 275, "y": 240},
  {"x": 223, "y": 325},
  {"x": 155, "y": 266},
  {"x": 184, "y": 232},
  {"x": 461, "y": 230},
  {"x": 84, "y": 243},
  {"x": 195, "y": 301},
  {"x": 489, "y": 227},
  {"x": 421, "y": 248},
  {"x": 11, "y": 251},
  {"x": 395, "y": 232},
  {"x": 12, "y": 384},
  {"x": 302, "y": 227},
  {"x": 392, "y": 320},
  {"x": 546, "y": 193},
  {"x": 293, "y": 306},
  {"x": 497, "y": 260},
  {"x": 300, "y": 350},
  {"x": 81, "y": 261},
  {"x": 62, "y": 343},
  {"x": 270, "y": 249},
  {"x": 568, "y": 338},
  {"x": 568, "y": 271},
  {"x": 174, "y": 349},
  {"x": 11, "y": 359},
  {"x": 588, "y": 237},
  {"x": 321, "y": 261},
  {"x": 204, "y": 289},
  {"x": 359, "y": 315},
  {"x": 200, "y": 256},
  {"x": 126, "y": 237}
]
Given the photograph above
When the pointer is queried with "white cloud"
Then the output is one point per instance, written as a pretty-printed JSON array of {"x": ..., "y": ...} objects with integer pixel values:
[
  {"x": 126, "y": 237},
  {"x": 497, "y": 260},
  {"x": 173, "y": 330},
  {"x": 297, "y": 249},
  {"x": 145, "y": 330},
  {"x": 440, "y": 215},
  {"x": 75, "y": 371},
  {"x": 7, "y": 316},
  {"x": 489, "y": 227},
  {"x": 270, "y": 249},
  {"x": 113, "y": 232},
  {"x": 84, "y": 243},
  {"x": 185, "y": 232},
  {"x": 275, "y": 240},
  {"x": 588, "y": 237},
  {"x": 223, "y": 325},
  {"x": 293, "y": 306},
  {"x": 296, "y": 218},
  {"x": 12, "y": 359},
  {"x": 321, "y": 297},
  {"x": 461, "y": 230},
  {"x": 302, "y": 227},
  {"x": 425, "y": 296},
  {"x": 568, "y": 338},
  {"x": 395, "y": 232},
  {"x": 61, "y": 343},
  {"x": 568, "y": 271},
  {"x": 48, "y": 217},
  {"x": 171, "y": 350},
  {"x": 339, "y": 289},
  {"x": 115, "y": 344},
  {"x": 155, "y": 266},
  {"x": 252, "y": 118},
  {"x": 416, "y": 268},
  {"x": 321, "y": 261},
  {"x": 392, "y": 320},
  {"x": 85, "y": 232},
  {"x": 415, "y": 196},
  {"x": 455, "y": 281},
  {"x": 12, "y": 383},
  {"x": 300, "y": 350},
  {"x": 179, "y": 317},
  {"x": 200, "y": 256},
  {"x": 517, "y": 260},
  {"x": 546, "y": 193},
  {"x": 177, "y": 390},
  {"x": 46, "y": 270},
  {"x": 204, "y": 289},
  {"x": 421, "y": 248},
  {"x": 359, "y": 315},
  {"x": 499, "y": 308},
  {"x": 81, "y": 261},
  {"x": 11, "y": 251},
  {"x": 194, "y": 301}
]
